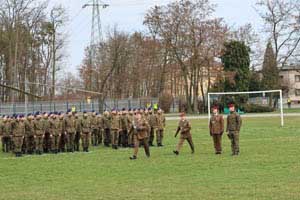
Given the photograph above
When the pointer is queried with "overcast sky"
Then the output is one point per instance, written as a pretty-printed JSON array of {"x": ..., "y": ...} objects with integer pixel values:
[{"x": 128, "y": 16}]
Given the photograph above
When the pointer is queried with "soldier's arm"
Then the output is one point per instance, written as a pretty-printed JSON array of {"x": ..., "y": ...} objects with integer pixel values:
[
  {"x": 239, "y": 122},
  {"x": 222, "y": 124},
  {"x": 227, "y": 124}
]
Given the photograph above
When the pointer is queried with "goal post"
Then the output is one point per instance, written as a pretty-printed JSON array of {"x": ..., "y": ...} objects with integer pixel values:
[{"x": 249, "y": 92}]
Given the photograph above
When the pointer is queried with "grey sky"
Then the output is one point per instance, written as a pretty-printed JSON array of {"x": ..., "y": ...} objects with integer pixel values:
[{"x": 128, "y": 16}]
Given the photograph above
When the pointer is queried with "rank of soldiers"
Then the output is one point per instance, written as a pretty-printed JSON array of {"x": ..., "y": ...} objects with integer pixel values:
[
  {"x": 40, "y": 133},
  {"x": 65, "y": 132}
]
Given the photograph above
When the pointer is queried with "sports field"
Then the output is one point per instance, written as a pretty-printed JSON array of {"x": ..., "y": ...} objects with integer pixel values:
[{"x": 267, "y": 168}]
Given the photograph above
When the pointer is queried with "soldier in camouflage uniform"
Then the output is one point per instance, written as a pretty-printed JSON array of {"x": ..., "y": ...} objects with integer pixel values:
[
  {"x": 78, "y": 132},
  {"x": 141, "y": 130},
  {"x": 100, "y": 128},
  {"x": 62, "y": 131},
  {"x": 234, "y": 123},
  {"x": 95, "y": 128},
  {"x": 86, "y": 131},
  {"x": 18, "y": 134},
  {"x": 39, "y": 133},
  {"x": 184, "y": 127},
  {"x": 161, "y": 123},
  {"x": 131, "y": 130},
  {"x": 216, "y": 129},
  {"x": 5, "y": 131},
  {"x": 152, "y": 124},
  {"x": 55, "y": 133},
  {"x": 125, "y": 126},
  {"x": 46, "y": 128},
  {"x": 29, "y": 134},
  {"x": 115, "y": 129},
  {"x": 106, "y": 122},
  {"x": 70, "y": 130}
]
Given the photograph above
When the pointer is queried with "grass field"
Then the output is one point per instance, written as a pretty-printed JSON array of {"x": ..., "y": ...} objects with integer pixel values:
[{"x": 268, "y": 168}]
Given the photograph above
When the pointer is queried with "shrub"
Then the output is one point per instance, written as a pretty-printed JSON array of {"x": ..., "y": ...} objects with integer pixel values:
[
  {"x": 165, "y": 102},
  {"x": 253, "y": 108}
]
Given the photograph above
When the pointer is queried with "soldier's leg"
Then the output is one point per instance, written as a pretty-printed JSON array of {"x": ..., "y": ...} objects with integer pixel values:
[
  {"x": 136, "y": 146},
  {"x": 179, "y": 145},
  {"x": 151, "y": 138},
  {"x": 3, "y": 144},
  {"x": 218, "y": 143},
  {"x": 116, "y": 138},
  {"x": 24, "y": 146},
  {"x": 57, "y": 140},
  {"x": 106, "y": 137},
  {"x": 214, "y": 137},
  {"x": 158, "y": 137},
  {"x": 146, "y": 147},
  {"x": 236, "y": 143},
  {"x": 130, "y": 141},
  {"x": 29, "y": 144},
  {"x": 100, "y": 138},
  {"x": 232, "y": 142},
  {"x": 53, "y": 144},
  {"x": 190, "y": 141},
  {"x": 120, "y": 138}
]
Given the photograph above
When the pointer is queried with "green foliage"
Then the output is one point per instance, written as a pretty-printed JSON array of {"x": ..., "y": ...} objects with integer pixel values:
[
  {"x": 270, "y": 70},
  {"x": 268, "y": 168},
  {"x": 253, "y": 108},
  {"x": 236, "y": 60}
]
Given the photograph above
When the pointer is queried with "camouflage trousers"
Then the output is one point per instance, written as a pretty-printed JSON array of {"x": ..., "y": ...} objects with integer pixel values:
[
  {"x": 55, "y": 139},
  {"x": 30, "y": 144},
  {"x": 77, "y": 141},
  {"x": 85, "y": 138},
  {"x": 189, "y": 139},
  {"x": 39, "y": 142},
  {"x": 70, "y": 141},
  {"x": 159, "y": 136},
  {"x": 106, "y": 135},
  {"x": 18, "y": 142},
  {"x": 217, "y": 139},
  {"x": 234, "y": 137},
  {"x": 137, "y": 145},
  {"x": 151, "y": 136},
  {"x": 6, "y": 143},
  {"x": 114, "y": 137},
  {"x": 95, "y": 137}
]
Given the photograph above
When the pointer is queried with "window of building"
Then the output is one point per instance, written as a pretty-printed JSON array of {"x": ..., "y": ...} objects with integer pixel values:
[
  {"x": 297, "y": 92},
  {"x": 297, "y": 78}
]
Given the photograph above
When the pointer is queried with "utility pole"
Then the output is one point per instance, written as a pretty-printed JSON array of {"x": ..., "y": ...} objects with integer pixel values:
[{"x": 96, "y": 35}]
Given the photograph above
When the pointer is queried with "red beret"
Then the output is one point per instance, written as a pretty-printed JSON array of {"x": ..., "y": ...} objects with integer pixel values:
[
  {"x": 231, "y": 105},
  {"x": 215, "y": 108}
]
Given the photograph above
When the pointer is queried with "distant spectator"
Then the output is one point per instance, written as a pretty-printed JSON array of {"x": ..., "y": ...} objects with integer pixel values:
[{"x": 289, "y": 102}]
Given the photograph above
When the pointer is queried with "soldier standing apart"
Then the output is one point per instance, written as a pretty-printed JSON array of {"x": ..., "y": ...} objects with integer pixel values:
[
  {"x": 18, "y": 130},
  {"x": 39, "y": 133},
  {"x": 184, "y": 127},
  {"x": 161, "y": 123},
  {"x": 216, "y": 129},
  {"x": 115, "y": 129},
  {"x": 29, "y": 132},
  {"x": 141, "y": 130},
  {"x": 86, "y": 131},
  {"x": 234, "y": 123},
  {"x": 70, "y": 128}
]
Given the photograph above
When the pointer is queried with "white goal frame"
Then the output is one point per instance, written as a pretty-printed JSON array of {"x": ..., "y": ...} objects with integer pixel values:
[{"x": 250, "y": 92}]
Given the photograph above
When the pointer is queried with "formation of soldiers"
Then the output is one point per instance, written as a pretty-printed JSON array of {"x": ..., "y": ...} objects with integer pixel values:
[{"x": 64, "y": 132}]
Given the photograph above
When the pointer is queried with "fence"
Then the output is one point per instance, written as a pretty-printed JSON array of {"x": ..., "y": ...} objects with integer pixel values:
[{"x": 83, "y": 105}]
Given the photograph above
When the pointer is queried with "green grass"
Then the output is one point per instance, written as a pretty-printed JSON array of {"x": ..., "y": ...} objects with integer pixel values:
[{"x": 268, "y": 168}]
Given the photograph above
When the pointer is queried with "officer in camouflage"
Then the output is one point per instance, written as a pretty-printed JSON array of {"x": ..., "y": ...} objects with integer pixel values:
[
  {"x": 184, "y": 127},
  {"x": 234, "y": 123},
  {"x": 216, "y": 129}
]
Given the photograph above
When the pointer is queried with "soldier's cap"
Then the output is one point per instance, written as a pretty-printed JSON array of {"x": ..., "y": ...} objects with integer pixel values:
[
  {"x": 55, "y": 113},
  {"x": 129, "y": 109},
  {"x": 93, "y": 111},
  {"x": 29, "y": 114},
  {"x": 123, "y": 109},
  {"x": 230, "y": 105},
  {"x": 215, "y": 108},
  {"x": 84, "y": 112},
  {"x": 150, "y": 109},
  {"x": 182, "y": 114},
  {"x": 69, "y": 110}
]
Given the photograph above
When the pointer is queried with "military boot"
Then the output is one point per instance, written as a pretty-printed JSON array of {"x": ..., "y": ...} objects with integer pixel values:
[
  {"x": 176, "y": 152},
  {"x": 133, "y": 158}
]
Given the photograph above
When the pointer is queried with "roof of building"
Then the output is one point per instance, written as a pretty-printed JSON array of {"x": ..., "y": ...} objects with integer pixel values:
[{"x": 290, "y": 67}]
